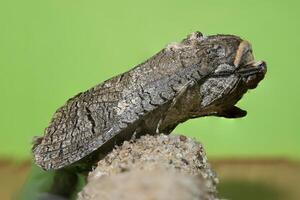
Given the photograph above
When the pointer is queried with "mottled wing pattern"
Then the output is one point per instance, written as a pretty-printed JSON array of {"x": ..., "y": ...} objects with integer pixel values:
[{"x": 91, "y": 118}]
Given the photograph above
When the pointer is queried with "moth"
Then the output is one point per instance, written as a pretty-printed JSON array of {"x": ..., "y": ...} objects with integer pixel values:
[{"x": 199, "y": 76}]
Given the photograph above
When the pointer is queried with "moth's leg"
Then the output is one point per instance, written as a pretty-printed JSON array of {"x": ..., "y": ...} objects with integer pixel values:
[
  {"x": 181, "y": 93},
  {"x": 169, "y": 129},
  {"x": 136, "y": 134},
  {"x": 159, "y": 124}
]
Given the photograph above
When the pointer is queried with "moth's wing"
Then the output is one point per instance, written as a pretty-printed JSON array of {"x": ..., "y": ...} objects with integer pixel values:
[
  {"x": 92, "y": 118},
  {"x": 77, "y": 128}
]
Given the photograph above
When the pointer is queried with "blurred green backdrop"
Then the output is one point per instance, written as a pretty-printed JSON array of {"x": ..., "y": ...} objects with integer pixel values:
[{"x": 52, "y": 49}]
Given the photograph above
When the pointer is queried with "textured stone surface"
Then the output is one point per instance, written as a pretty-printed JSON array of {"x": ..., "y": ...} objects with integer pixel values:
[
  {"x": 160, "y": 167},
  {"x": 151, "y": 185}
]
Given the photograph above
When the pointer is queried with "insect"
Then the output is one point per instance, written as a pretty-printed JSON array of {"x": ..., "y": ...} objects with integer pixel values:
[{"x": 199, "y": 76}]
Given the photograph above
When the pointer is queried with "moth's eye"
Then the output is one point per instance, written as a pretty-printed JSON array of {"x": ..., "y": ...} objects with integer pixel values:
[{"x": 247, "y": 57}]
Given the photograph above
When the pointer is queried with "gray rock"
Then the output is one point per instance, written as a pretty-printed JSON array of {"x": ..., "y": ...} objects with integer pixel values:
[{"x": 153, "y": 167}]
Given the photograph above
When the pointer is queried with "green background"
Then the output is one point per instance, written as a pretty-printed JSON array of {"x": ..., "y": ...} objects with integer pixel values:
[{"x": 52, "y": 49}]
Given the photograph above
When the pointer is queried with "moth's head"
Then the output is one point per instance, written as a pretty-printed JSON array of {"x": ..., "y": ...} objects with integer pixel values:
[{"x": 232, "y": 71}]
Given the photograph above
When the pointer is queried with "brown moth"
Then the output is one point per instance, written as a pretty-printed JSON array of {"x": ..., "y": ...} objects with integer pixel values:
[{"x": 199, "y": 76}]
